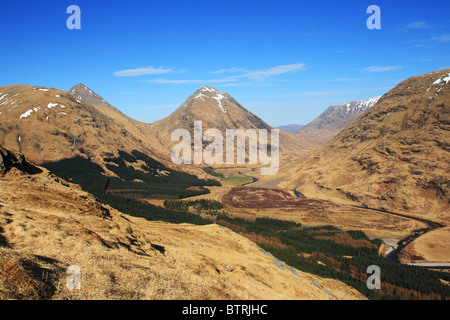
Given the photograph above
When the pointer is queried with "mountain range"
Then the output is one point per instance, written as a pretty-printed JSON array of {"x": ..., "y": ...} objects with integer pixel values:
[
  {"x": 334, "y": 119},
  {"x": 394, "y": 157},
  {"x": 76, "y": 169}
]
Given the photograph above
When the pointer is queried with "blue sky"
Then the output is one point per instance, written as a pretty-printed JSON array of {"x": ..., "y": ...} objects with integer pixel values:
[{"x": 286, "y": 61}]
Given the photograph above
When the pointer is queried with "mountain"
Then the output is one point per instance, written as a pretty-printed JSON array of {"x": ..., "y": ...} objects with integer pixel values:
[
  {"x": 9, "y": 160},
  {"x": 95, "y": 146},
  {"x": 51, "y": 125},
  {"x": 83, "y": 93},
  {"x": 50, "y": 227},
  {"x": 336, "y": 118},
  {"x": 291, "y": 127},
  {"x": 221, "y": 111},
  {"x": 394, "y": 157},
  {"x": 216, "y": 109}
]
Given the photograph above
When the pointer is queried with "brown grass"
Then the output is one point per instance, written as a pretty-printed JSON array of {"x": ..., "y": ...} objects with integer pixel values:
[
  {"x": 346, "y": 239},
  {"x": 23, "y": 276},
  {"x": 122, "y": 257},
  {"x": 250, "y": 203},
  {"x": 434, "y": 246}
]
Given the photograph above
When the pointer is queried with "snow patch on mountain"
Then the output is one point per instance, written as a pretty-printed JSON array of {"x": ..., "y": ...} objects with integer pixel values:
[
  {"x": 29, "y": 112},
  {"x": 219, "y": 98},
  {"x": 356, "y": 107}
]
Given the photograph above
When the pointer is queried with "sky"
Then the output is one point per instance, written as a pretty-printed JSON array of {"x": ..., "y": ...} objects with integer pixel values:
[{"x": 285, "y": 60}]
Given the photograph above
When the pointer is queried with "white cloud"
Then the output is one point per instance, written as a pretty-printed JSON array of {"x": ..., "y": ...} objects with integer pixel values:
[
  {"x": 189, "y": 81},
  {"x": 327, "y": 93},
  {"x": 418, "y": 25},
  {"x": 442, "y": 38},
  {"x": 229, "y": 70},
  {"x": 274, "y": 71},
  {"x": 381, "y": 68},
  {"x": 141, "y": 71},
  {"x": 258, "y": 76},
  {"x": 430, "y": 42}
]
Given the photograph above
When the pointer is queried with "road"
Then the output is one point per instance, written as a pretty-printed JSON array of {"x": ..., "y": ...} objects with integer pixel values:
[{"x": 396, "y": 246}]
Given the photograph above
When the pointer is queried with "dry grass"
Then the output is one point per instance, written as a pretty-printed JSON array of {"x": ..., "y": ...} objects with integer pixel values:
[
  {"x": 251, "y": 203},
  {"x": 434, "y": 246},
  {"x": 122, "y": 257},
  {"x": 25, "y": 276}
]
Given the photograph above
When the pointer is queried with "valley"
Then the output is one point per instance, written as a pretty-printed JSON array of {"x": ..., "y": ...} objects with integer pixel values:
[{"x": 370, "y": 189}]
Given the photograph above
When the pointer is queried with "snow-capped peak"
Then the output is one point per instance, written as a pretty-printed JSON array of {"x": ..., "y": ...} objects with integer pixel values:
[
  {"x": 209, "y": 89},
  {"x": 442, "y": 79},
  {"x": 356, "y": 107},
  {"x": 211, "y": 93}
]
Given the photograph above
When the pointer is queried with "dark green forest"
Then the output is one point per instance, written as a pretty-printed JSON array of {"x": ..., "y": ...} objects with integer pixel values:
[
  {"x": 210, "y": 206},
  {"x": 345, "y": 262},
  {"x": 124, "y": 193}
]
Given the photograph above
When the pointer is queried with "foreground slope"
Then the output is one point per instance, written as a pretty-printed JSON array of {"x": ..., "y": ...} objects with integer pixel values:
[
  {"x": 336, "y": 118},
  {"x": 47, "y": 225},
  {"x": 394, "y": 157}
]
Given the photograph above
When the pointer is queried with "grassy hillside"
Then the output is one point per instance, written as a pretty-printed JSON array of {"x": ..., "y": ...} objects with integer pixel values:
[{"x": 127, "y": 192}]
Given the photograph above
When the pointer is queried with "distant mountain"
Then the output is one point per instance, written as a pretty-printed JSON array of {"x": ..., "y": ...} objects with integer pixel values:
[
  {"x": 394, "y": 157},
  {"x": 336, "y": 118},
  {"x": 218, "y": 110},
  {"x": 85, "y": 94},
  {"x": 291, "y": 127}
]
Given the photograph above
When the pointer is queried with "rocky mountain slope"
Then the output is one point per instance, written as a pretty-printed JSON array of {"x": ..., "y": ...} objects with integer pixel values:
[
  {"x": 83, "y": 93},
  {"x": 336, "y": 118},
  {"x": 47, "y": 225},
  {"x": 394, "y": 157}
]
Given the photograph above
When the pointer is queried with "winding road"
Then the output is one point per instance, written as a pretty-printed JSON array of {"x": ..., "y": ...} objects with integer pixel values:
[
  {"x": 393, "y": 254},
  {"x": 402, "y": 243}
]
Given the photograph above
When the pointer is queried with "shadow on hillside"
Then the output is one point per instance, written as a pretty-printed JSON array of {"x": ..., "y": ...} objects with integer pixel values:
[{"x": 3, "y": 241}]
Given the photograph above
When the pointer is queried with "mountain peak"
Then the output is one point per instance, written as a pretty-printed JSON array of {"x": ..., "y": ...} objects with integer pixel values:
[
  {"x": 208, "y": 89},
  {"x": 215, "y": 109},
  {"x": 212, "y": 97},
  {"x": 85, "y": 94},
  {"x": 334, "y": 119},
  {"x": 209, "y": 92}
]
